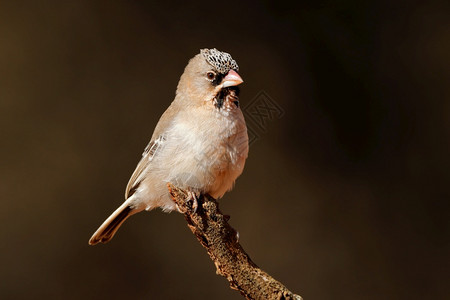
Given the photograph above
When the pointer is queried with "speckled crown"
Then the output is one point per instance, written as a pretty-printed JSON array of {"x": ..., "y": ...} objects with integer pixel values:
[{"x": 221, "y": 61}]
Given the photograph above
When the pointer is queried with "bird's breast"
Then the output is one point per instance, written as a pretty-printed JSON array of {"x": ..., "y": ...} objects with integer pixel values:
[{"x": 207, "y": 148}]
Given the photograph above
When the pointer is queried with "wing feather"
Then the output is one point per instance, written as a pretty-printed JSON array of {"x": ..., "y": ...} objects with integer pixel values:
[
  {"x": 152, "y": 148},
  {"x": 148, "y": 155}
]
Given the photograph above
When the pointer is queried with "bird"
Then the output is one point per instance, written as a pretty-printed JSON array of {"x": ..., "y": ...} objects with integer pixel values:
[{"x": 200, "y": 143}]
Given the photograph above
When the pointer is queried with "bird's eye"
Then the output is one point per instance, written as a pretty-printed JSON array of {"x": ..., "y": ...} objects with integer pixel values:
[{"x": 210, "y": 75}]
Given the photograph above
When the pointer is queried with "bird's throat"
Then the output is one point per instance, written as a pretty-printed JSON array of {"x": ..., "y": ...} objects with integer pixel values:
[{"x": 227, "y": 98}]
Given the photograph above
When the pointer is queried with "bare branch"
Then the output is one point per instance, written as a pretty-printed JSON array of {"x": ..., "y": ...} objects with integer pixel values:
[{"x": 212, "y": 230}]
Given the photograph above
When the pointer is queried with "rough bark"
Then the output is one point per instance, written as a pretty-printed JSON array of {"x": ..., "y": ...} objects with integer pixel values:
[{"x": 212, "y": 230}]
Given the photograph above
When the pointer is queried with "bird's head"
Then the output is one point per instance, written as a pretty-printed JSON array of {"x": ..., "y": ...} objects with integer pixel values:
[{"x": 207, "y": 74}]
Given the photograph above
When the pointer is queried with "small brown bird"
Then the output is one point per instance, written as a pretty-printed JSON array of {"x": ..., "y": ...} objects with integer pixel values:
[{"x": 200, "y": 144}]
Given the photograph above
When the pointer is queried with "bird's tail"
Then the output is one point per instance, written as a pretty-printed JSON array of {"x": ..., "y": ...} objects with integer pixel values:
[{"x": 106, "y": 232}]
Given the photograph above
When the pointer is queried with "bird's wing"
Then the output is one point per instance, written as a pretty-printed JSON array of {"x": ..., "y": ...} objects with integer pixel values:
[
  {"x": 158, "y": 139},
  {"x": 149, "y": 152}
]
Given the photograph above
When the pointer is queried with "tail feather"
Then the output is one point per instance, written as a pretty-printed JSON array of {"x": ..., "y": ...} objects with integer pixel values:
[{"x": 107, "y": 230}]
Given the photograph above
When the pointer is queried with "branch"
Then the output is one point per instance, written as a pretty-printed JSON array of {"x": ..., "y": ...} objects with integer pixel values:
[{"x": 212, "y": 230}]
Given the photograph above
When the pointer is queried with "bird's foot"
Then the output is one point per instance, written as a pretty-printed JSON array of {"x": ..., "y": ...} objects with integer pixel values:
[
  {"x": 191, "y": 202},
  {"x": 193, "y": 196}
]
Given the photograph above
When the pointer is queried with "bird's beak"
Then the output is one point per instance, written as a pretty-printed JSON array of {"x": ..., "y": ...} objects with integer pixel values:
[{"x": 232, "y": 79}]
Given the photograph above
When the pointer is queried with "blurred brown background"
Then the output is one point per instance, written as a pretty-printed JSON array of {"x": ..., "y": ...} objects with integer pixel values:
[{"x": 346, "y": 196}]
